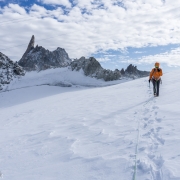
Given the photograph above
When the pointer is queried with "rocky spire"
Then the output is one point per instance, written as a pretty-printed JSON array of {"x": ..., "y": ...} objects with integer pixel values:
[
  {"x": 30, "y": 46},
  {"x": 38, "y": 58}
]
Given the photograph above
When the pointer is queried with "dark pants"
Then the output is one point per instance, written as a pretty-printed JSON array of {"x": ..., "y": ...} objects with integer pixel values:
[{"x": 156, "y": 85}]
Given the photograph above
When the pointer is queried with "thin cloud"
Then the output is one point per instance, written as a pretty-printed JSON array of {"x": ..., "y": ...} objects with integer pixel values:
[
  {"x": 57, "y": 2},
  {"x": 170, "y": 58},
  {"x": 138, "y": 52},
  {"x": 92, "y": 26}
]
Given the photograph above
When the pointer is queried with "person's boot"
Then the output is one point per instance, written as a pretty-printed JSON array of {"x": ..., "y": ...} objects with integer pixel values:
[{"x": 154, "y": 93}]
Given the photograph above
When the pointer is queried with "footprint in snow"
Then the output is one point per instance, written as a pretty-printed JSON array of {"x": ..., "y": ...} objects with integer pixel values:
[
  {"x": 161, "y": 140},
  {"x": 145, "y": 125},
  {"x": 150, "y": 121},
  {"x": 158, "y": 129},
  {"x": 158, "y": 120},
  {"x": 155, "y": 107},
  {"x": 146, "y": 119},
  {"x": 151, "y": 156},
  {"x": 146, "y": 111},
  {"x": 156, "y": 174},
  {"x": 147, "y": 134},
  {"x": 158, "y": 161},
  {"x": 143, "y": 166},
  {"x": 155, "y": 113},
  {"x": 153, "y": 147},
  {"x": 142, "y": 149}
]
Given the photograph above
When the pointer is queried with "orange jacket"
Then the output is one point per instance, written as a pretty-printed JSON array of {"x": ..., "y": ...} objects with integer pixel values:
[{"x": 156, "y": 73}]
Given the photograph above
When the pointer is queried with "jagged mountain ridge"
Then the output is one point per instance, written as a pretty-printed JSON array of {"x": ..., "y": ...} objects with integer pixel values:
[
  {"x": 92, "y": 67},
  {"x": 132, "y": 72},
  {"x": 8, "y": 70},
  {"x": 39, "y": 58}
]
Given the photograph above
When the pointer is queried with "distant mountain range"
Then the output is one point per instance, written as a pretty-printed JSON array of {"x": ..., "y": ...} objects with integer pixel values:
[{"x": 38, "y": 58}]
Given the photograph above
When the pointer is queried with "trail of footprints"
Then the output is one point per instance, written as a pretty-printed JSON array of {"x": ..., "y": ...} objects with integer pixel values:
[{"x": 150, "y": 161}]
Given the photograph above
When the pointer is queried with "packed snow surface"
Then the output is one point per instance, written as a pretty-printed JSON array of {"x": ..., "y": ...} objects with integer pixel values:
[{"x": 88, "y": 130}]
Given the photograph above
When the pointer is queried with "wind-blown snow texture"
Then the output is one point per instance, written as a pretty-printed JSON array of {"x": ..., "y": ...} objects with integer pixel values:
[{"x": 78, "y": 133}]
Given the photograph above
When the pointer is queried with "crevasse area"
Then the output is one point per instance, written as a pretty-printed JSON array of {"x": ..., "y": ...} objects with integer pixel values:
[{"x": 89, "y": 130}]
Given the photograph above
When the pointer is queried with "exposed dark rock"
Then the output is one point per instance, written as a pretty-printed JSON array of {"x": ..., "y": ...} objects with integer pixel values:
[
  {"x": 39, "y": 58},
  {"x": 30, "y": 47},
  {"x": 133, "y": 72},
  {"x": 122, "y": 71},
  {"x": 92, "y": 68},
  {"x": 8, "y": 70}
]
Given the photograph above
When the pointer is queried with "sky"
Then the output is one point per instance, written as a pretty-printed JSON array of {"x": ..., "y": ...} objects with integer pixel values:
[{"x": 116, "y": 32}]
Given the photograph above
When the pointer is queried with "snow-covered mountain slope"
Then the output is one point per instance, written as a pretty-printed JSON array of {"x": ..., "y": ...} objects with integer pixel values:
[
  {"x": 9, "y": 70},
  {"x": 64, "y": 77},
  {"x": 78, "y": 133}
]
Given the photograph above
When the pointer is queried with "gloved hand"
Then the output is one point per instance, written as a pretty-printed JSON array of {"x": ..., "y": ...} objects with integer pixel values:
[{"x": 149, "y": 80}]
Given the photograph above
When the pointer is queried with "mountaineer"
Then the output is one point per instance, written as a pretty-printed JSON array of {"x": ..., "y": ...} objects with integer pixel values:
[{"x": 155, "y": 78}]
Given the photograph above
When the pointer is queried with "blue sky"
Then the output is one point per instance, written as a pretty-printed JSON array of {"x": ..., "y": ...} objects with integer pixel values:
[
  {"x": 116, "y": 32},
  {"x": 29, "y": 3}
]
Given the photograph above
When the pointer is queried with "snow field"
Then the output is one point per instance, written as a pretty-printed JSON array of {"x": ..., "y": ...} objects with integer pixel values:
[{"x": 52, "y": 133}]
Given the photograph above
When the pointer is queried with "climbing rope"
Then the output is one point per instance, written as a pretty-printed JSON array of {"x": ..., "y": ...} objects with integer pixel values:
[{"x": 136, "y": 152}]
